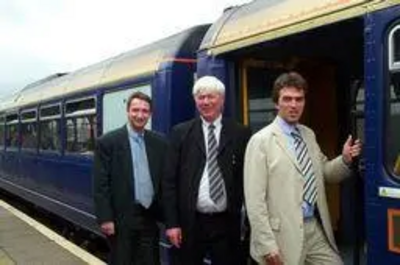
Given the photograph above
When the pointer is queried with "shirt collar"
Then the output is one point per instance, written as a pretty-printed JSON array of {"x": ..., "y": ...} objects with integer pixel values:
[
  {"x": 132, "y": 133},
  {"x": 217, "y": 122},
  {"x": 286, "y": 127}
]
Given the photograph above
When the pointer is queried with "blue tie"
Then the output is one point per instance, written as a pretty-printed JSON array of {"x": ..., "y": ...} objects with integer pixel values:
[{"x": 144, "y": 191}]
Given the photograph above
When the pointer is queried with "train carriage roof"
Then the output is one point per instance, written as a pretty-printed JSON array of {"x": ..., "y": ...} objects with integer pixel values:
[
  {"x": 126, "y": 66},
  {"x": 262, "y": 20}
]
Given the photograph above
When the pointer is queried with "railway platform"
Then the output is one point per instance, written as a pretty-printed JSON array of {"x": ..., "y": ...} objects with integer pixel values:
[{"x": 25, "y": 241}]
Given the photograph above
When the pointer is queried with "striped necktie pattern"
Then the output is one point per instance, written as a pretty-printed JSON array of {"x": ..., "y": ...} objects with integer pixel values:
[
  {"x": 216, "y": 182},
  {"x": 305, "y": 163}
]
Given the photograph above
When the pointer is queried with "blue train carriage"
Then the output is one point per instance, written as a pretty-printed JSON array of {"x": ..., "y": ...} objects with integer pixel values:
[
  {"x": 48, "y": 129},
  {"x": 349, "y": 51}
]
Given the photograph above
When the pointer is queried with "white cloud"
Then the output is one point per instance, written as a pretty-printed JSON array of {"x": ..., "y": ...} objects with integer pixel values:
[{"x": 48, "y": 36}]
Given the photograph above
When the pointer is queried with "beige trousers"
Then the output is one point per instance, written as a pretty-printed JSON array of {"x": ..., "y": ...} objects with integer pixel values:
[{"x": 316, "y": 248}]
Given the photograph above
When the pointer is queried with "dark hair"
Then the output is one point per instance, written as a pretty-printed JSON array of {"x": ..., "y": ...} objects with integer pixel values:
[
  {"x": 139, "y": 95},
  {"x": 290, "y": 79}
]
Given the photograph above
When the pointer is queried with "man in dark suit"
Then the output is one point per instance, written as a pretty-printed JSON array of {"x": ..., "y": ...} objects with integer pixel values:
[
  {"x": 203, "y": 181},
  {"x": 128, "y": 164}
]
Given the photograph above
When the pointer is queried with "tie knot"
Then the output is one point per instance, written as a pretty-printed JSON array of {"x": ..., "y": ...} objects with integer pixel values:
[
  {"x": 296, "y": 134},
  {"x": 211, "y": 127},
  {"x": 139, "y": 138}
]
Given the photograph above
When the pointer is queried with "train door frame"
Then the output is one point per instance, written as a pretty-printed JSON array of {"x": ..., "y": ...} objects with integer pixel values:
[
  {"x": 382, "y": 189},
  {"x": 337, "y": 85},
  {"x": 280, "y": 67}
]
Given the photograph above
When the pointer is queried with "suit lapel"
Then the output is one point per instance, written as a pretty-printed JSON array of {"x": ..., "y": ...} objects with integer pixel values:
[
  {"x": 199, "y": 136},
  {"x": 224, "y": 136},
  {"x": 283, "y": 144},
  {"x": 126, "y": 149},
  {"x": 151, "y": 152},
  {"x": 308, "y": 140}
]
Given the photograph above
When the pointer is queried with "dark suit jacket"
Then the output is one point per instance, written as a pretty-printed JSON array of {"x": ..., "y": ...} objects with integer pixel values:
[
  {"x": 113, "y": 185},
  {"x": 186, "y": 158}
]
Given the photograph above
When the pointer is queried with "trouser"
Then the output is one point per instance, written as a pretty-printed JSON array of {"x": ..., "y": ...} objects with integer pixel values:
[
  {"x": 136, "y": 243},
  {"x": 216, "y": 237},
  {"x": 316, "y": 248}
]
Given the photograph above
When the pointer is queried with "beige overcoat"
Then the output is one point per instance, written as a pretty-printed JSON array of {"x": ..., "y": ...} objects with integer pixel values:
[{"x": 273, "y": 187}]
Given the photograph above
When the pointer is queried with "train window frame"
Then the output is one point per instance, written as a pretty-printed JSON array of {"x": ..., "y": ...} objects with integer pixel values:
[
  {"x": 110, "y": 105},
  {"x": 2, "y": 131},
  {"x": 80, "y": 112},
  {"x": 392, "y": 105},
  {"x": 28, "y": 116},
  {"x": 50, "y": 106},
  {"x": 392, "y": 117},
  {"x": 88, "y": 113},
  {"x": 393, "y": 64},
  {"x": 8, "y": 123},
  {"x": 53, "y": 145}
]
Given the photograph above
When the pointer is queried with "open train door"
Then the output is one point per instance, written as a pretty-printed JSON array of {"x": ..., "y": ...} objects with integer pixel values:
[
  {"x": 382, "y": 135},
  {"x": 332, "y": 44}
]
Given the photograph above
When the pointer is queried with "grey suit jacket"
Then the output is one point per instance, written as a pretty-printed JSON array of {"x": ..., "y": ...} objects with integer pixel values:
[{"x": 273, "y": 187}]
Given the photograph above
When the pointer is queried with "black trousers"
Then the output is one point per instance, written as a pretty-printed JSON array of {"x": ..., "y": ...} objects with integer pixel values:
[
  {"x": 215, "y": 237},
  {"x": 136, "y": 241}
]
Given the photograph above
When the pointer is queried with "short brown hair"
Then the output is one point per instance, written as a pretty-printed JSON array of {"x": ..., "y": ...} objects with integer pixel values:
[
  {"x": 139, "y": 95},
  {"x": 290, "y": 79}
]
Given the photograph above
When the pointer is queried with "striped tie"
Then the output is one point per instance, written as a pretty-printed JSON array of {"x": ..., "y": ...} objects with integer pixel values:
[
  {"x": 214, "y": 172},
  {"x": 304, "y": 160}
]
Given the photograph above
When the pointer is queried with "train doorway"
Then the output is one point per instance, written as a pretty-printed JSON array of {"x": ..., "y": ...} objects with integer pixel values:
[{"x": 333, "y": 68}]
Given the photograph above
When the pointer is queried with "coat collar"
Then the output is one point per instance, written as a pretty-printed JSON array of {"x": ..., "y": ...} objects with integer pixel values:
[
  {"x": 282, "y": 142},
  {"x": 224, "y": 139}
]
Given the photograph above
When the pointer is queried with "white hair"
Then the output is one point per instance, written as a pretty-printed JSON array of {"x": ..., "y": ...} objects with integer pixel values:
[{"x": 208, "y": 84}]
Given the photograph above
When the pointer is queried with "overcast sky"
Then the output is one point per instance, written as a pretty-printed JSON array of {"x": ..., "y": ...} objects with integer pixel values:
[{"x": 43, "y": 37}]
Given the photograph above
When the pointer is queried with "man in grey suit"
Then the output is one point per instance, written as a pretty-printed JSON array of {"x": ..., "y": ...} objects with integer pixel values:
[
  {"x": 284, "y": 175},
  {"x": 128, "y": 165}
]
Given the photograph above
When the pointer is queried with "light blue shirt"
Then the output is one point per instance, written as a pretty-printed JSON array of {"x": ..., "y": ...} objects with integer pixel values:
[
  {"x": 144, "y": 190},
  {"x": 308, "y": 210}
]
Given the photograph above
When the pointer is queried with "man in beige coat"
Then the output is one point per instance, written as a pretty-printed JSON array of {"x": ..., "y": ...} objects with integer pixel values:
[{"x": 284, "y": 175}]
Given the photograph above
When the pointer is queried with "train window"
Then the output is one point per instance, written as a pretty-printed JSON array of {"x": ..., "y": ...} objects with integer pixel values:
[
  {"x": 50, "y": 111},
  {"x": 393, "y": 126},
  {"x": 50, "y": 135},
  {"x": 28, "y": 115},
  {"x": 114, "y": 107},
  {"x": 261, "y": 106},
  {"x": 2, "y": 130},
  {"x": 394, "y": 48},
  {"x": 81, "y": 134},
  {"x": 78, "y": 107},
  {"x": 12, "y": 138},
  {"x": 50, "y": 128},
  {"x": 81, "y": 126},
  {"x": 29, "y": 134}
]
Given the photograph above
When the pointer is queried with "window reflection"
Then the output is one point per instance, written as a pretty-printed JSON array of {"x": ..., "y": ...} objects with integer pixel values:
[
  {"x": 393, "y": 126},
  {"x": 81, "y": 134},
  {"x": 50, "y": 135},
  {"x": 261, "y": 107}
]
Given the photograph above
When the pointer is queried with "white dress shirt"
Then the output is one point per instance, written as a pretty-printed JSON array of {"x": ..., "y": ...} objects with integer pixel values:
[{"x": 204, "y": 202}]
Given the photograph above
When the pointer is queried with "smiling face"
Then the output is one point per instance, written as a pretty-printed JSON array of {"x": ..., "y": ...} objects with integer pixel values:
[
  {"x": 209, "y": 104},
  {"x": 290, "y": 104},
  {"x": 139, "y": 112}
]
